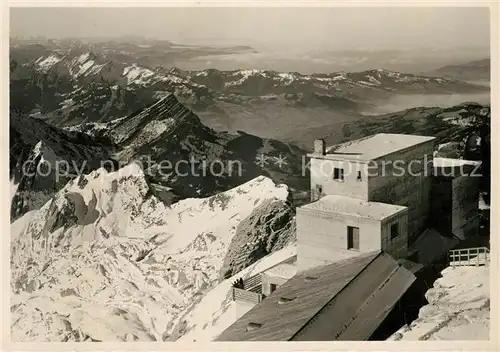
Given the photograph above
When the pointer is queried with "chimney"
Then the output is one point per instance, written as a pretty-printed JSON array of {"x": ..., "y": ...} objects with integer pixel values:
[{"x": 319, "y": 147}]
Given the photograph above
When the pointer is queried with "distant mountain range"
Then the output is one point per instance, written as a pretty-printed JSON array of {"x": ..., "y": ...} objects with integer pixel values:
[
  {"x": 67, "y": 85},
  {"x": 449, "y": 124},
  {"x": 227, "y": 57},
  {"x": 77, "y": 98},
  {"x": 474, "y": 71}
]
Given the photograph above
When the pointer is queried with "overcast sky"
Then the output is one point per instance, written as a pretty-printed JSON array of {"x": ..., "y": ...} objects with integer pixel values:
[{"x": 331, "y": 28}]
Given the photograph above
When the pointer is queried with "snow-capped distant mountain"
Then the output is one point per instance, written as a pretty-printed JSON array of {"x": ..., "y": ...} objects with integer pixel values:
[
  {"x": 104, "y": 260},
  {"x": 372, "y": 82},
  {"x": 450, "y": 125},
  {"x": 72, "y": 84}
]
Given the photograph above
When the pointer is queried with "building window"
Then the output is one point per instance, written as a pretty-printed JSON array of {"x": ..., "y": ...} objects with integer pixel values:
[
  {"x": 352, "y": 237},
  {"x": 394, "y": 230},
  {"x": 319, "y": 189},
  {"x": 338, "y": 174},
  {"x": 316, "y": 193},
  {"x": 273, "y": 288},
  {"x": 359, "y": 176}
]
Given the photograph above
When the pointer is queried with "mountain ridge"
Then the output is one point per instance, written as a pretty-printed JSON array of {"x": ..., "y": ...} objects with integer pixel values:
[
  {"x": 105, "y": 260},
  {"x": 178, "y": 152},
  {"x": 67, "y": 84}
]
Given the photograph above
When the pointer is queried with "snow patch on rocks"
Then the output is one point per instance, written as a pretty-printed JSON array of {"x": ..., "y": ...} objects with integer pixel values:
[
  {"x": 104, "y": 260},
  {"x": 458, "y": 309},
  {"x": 45, "y": 64}
]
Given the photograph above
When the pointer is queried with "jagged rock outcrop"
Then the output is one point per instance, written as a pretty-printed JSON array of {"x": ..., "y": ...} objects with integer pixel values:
[
  {"x": 44, "y": 158},
  {"x": 177, "y": 150},
  {"x": 270, "y": 227}
]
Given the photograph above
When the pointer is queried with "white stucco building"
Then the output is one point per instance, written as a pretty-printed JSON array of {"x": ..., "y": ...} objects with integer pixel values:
[{"x": 380, "y": 193}]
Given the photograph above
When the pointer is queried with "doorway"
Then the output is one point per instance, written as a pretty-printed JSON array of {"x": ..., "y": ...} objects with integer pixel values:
[{"x": 352, "y": 237}]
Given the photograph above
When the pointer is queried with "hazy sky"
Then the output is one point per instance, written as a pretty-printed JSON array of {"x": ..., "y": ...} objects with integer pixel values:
[{"x": 332, "y": 28}]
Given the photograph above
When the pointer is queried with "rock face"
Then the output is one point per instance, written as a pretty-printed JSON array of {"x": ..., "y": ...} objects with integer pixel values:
[
  {"x": 104, "y": 260},
  {"x": 44, "y": 158},
  {"x": 270, "y": 227},
  {"x": 175, "y": 148},
  {"x": 180, "y": 152}
]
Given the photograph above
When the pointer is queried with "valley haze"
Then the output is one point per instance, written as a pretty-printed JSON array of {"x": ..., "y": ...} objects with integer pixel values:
[{"x": 238, "y": 174}]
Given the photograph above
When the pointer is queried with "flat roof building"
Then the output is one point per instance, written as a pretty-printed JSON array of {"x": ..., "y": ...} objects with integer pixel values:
[
  {"x": 337, "y": 227},
  {"x": 373, "y": 147},
  {"x": 371, "y": 200},
  {"x": 385, "y": 168}
]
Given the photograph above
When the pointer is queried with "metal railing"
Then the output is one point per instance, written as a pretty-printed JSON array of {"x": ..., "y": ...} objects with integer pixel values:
[
  {"x": 240, "y": 294},
  {"x": 251, "y": 291},
  {"x": 251, "y": 282},
  {"x": 252, "y": 287},
  {"x": 469, "y": 256}
]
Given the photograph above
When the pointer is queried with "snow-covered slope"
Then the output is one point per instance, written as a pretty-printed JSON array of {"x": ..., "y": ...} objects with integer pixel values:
[
  {"x": 458, "y": 309},
  {"x": 104, "y": 260}
]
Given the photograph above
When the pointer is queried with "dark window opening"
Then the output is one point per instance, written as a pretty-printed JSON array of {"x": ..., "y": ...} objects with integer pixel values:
[
  {"x": 338, "y": 174},
  {"x": 359, "y": 176},
  {"x": 394, "y": 231},
  {"x": 352, "y": 237},
  {"x": 273, "y": 287}
]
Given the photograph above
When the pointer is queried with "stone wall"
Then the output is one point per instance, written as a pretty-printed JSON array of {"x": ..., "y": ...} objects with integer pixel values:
[
  {"x": 397, "y": 247},
  {"x": 405, "y": 178},
  {"x": 465, "y": 206},
  {"x": 441, "y": 205},
  {"x": 351, "y": 186},
  {"x": 322, "y": 237}
]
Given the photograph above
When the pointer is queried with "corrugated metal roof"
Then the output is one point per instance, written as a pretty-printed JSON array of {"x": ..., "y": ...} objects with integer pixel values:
[{"x": 288, "y": 311}]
